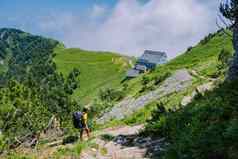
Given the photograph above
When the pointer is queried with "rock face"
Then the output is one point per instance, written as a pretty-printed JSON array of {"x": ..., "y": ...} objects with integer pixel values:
[
  {"x": 188, "y": 99},
  {"x": 179, "y": 81}
]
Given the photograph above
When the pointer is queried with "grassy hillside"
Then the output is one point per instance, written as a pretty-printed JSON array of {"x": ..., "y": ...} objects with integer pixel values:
[
  {"x": 203, "y": 58},
  {"x": 98, "y": 70},
  {"x": 107, "y": 70},
  {"x": 207, "y": 127}
]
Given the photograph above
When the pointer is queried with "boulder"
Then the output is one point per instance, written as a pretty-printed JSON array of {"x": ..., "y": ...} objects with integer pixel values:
[
  {"x": 205, "y": 87},
  {"x": 202, "y": 89}
]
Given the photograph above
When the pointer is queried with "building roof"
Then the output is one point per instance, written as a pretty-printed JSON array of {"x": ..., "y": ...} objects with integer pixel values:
[
  {"x": 133, "y": 73},
  {"x": 155, "y": 57},
  {"x": 140, "y": 67}
]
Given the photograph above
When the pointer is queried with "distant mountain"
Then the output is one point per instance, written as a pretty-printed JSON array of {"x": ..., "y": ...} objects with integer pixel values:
[{"x": 23, "y": 47}]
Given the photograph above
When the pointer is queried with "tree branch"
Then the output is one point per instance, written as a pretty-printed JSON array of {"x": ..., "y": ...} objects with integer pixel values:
[{"x": 226, "y": 24}]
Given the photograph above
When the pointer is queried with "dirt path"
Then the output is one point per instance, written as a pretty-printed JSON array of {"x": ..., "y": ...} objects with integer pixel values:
[
  {"x": 111, "y": 149},
  {"x": 109, "y": 145},
  {"x": 113, "y": 143},
  {"x": 122, "y": 143}
]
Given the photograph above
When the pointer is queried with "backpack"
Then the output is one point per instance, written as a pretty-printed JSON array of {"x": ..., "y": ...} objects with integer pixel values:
[{"x": 78, "y": 120}]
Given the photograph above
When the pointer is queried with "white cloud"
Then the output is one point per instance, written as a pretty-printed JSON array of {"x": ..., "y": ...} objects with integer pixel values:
[
  {"x": 98, "y": 11},
  {"x": 130, "y": 28}
]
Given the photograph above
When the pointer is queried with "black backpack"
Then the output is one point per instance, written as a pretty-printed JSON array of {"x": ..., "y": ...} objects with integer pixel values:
[{"x": 78, "y": 120}]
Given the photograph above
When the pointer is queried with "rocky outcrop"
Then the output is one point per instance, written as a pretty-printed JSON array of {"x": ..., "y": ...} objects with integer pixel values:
[
  {"x": 205, "y": 87},
  {"x": 199, "y": 90},
  {"x": 188, "y": 99},
  {"x": 179, "y": 81}
]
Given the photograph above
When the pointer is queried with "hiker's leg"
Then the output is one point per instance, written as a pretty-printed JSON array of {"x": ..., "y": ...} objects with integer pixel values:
[
  {"x": 81, "y": 134},
  {"x": 88, "y": 132}
]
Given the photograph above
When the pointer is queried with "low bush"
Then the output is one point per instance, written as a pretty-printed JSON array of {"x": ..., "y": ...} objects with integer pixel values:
[
  {"x": 189, "y": 49},
  {"x": 110, "y": 95},
  {"x": 161, "y": 78},
  {"x": 207, "y": 39},
  {"x": 206, "y": 128}
]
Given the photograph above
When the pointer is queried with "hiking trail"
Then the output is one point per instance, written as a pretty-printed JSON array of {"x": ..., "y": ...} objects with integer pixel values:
[{"x": 121, "y": 142}]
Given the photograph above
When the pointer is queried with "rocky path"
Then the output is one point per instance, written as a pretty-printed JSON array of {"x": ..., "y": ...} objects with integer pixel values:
[
  {"x": 121, "y": 142},
  {"x": 124, "y": 144}
]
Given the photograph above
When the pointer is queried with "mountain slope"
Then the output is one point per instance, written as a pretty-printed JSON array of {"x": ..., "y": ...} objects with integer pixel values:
[
  {"x": 211, "y": 119},
  {"x": 201, "y": 61},
  {"x": 207, "y": 127},
  {"x": 22, "y": 46},
  {"x": 98, "y": 70},
  {"x": 202, "y": 58},
  {"x": 31, "y": 89}
]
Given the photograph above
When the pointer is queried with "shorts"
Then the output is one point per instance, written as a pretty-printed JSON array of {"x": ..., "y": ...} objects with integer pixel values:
[{"x": 83, "y": 126}]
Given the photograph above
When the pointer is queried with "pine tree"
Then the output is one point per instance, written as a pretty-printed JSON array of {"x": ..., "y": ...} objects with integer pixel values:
[{"x": 229, "y": 9}]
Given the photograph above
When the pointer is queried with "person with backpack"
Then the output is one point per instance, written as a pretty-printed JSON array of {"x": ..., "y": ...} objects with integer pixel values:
[{"x": 80, "y": 121}]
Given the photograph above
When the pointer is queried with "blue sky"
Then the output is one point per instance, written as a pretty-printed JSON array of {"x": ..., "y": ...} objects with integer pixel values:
[
  {"x": 15, "y": 13},
  {"x": 125, "y": 26},
  {"x": 44, "y": 5}
]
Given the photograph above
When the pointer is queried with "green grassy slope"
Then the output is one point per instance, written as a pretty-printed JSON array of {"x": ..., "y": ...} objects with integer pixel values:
[
  {"x": 98, "y": 70},
  {"x": 203, "y": 58},
  {"x": 103, "y": 69},
  {"x": 207, "y": 127}
]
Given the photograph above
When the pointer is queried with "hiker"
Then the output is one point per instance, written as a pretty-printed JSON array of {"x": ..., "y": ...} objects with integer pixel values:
[{"x": 80, "y": 120}]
